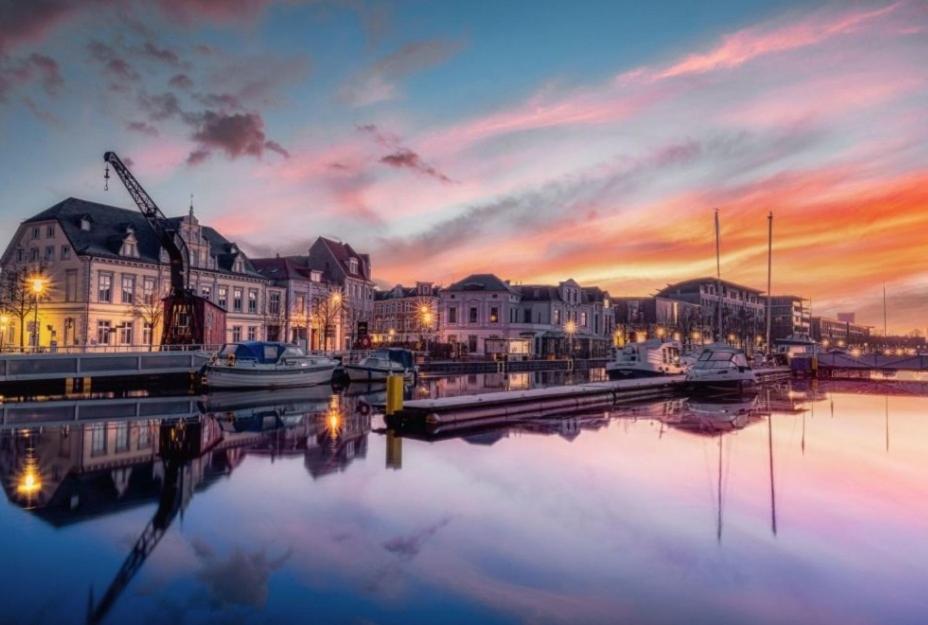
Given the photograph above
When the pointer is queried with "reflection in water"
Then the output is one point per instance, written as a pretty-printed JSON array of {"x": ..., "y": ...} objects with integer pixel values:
[{"x": 295, "y": 511}]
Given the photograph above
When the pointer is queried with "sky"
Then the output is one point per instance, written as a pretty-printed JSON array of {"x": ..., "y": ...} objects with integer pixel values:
[{"x": 539, "y": 141}]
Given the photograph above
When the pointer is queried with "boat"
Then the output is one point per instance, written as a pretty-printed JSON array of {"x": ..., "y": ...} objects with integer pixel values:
[
  {"x": 647, "y": 359},
  {"x": 265, "y": 364},
  {"x": 720, "y": 369},
  {"x": 382, "y": 363}
]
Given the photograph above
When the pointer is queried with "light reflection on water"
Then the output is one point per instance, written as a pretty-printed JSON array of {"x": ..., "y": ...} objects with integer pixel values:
[{"x": 807, "y": 505}]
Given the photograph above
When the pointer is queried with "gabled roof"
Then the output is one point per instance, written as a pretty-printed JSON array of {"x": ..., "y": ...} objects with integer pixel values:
[
  {"x": 481, "y": 282},
  {"x": 538, "y": 292},
  {"x": 283, "y": 268},
  {"x": 109, "y": 226},
  {"x": 334, "y": 260}
]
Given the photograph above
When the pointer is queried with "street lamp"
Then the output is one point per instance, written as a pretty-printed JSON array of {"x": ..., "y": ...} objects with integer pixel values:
[
  {"x": 570, "y": 328},
  {"x": 37, "y": 285}
]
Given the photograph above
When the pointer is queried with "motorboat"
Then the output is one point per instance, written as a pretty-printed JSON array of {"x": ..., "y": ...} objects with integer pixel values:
[
  {"x": 264, "y": 364},
  {"x": 382, "y": 363},
  {"x": 649, "y": 358},
  {"x": 721, "y": 368}
]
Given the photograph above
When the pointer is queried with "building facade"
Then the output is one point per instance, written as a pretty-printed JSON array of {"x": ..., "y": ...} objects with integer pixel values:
[
  {"x": 488, "y": 316},
  {"x": 406, "y": 315},
  {"x": 839, "y": 333},
  {"x": 789, "y": 315},
  {"x": 742, "y": 308},
  {"x": 649, "y": 317},
  {"x": 105, "y": 274}
]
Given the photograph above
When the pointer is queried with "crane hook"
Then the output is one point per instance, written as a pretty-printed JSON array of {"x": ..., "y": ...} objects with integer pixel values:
[{"x": 106, "y": 178}]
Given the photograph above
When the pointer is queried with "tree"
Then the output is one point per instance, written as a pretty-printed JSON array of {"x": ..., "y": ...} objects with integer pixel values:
[
  {"x": 150, "y": 310},
  {"x": 16, "y": 298},
  {"x": 326, "y": 313}
]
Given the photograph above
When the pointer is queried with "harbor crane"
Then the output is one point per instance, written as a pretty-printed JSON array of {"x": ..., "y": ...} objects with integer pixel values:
[{"x": 188, "y": 319}]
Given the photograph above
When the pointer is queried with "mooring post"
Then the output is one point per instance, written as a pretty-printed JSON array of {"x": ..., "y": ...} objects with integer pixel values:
[{"x": 394, "y": 394}]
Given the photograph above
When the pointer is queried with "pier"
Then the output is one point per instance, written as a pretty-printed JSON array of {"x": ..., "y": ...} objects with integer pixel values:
[{"x": 54, "y": 366}]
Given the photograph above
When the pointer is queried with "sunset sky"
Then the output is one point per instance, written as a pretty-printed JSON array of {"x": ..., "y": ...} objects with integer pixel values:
[{"x": 538, "y": 141}]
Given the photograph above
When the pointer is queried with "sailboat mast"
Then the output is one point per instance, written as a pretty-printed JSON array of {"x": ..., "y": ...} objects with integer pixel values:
[
  {"x": 718, "y": 276},
  {"x": 885, "y": 333},
  {"x": 769, "y": 275}
]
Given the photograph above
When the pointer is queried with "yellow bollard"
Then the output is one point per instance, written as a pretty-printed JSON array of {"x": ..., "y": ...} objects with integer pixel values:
[{"x": 394, "y": 394}]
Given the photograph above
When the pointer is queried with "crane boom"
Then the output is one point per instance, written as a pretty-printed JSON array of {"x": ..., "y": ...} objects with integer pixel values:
[{"x": 174, "y": 245}]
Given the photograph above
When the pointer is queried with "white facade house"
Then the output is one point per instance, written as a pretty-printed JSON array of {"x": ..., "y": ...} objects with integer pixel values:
[
  {"x": 106, "y": 271},
  {"x": 487, "y": 316}
]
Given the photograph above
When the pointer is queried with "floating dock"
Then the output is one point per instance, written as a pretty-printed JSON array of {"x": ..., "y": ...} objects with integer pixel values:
[
  {"x": 434, "y": 414},
  {"x": 82, "y": 365}
]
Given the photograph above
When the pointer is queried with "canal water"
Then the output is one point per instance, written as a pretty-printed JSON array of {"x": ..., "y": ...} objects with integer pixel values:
[{"x": 808, "y": 504}]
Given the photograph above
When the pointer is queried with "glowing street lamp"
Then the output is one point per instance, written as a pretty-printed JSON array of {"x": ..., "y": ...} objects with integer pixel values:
[
  {"x": 570, "y": 328},
  {"x": 37, "y": 284}
]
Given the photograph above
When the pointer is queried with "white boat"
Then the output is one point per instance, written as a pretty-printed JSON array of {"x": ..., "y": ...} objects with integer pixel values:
[
  {"x": 259, "y": 364},
  {"x": 649, "y": 358},
  {"x": 380, "y": 364},
  {"x": 721, "y": 368}
]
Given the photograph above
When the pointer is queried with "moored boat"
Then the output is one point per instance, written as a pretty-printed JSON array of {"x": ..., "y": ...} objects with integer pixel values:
[
  {"x": 382, "y": 363},
  {"x": 260, "y": 364},
  {"x": 721, "y": 369},
  {"x": 649, "y": 358}
]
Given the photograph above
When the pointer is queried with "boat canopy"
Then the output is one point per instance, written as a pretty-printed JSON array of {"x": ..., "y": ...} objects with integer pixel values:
[
  {"x": 398, "y": 355},
  {"x": 261, "y": 351}
]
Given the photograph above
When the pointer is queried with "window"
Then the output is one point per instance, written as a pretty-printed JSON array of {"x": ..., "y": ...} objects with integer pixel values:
[
  {"x": 237, "y": 300},
  {"x": 147, "y": 333},
  {"x": 144, "y": 436},
  {"x": 148, "y": 290},
  {"x": 557, "y": 317},
  {"x": 300, "y": 303},
  {"x": 50, "y": 231},
  {"x": 103, "y": 332},
  {"x": 128, "y": 289},
  {"x": 85, "y": 224},
  {"x": 453, "y": 314},
  {"x": 207, "y": 292},
  {"x": 125, "y": 332},
  {"x": 35, "y": 233},
  {"x": 353, "y": 265},
  {"x": 472, "y": 315},
  {"x": 527, "y": 315},
  {"x": 252, "y": 301},
  {"x": 583, "y": 319},
  {"x": 236, "y": 334},
  {"x": 122, "y": 436},
  {"x": 315, "y": 276},
  {"x": 20, "y": 254},
  {"x": 223, "y": 300},
  {"x": 494, "y": 315},
  {"x": 65, "y": 252},
  {"x": 49, "y": 252},
  {"x": 34, "y": 254},
  {"x": 472, "y": 343},
  {"x": 97, "y": 439},
  {"x": 252, "y": 333},
  {"x": 273, "y": 303},
  {"x": 105, "y": 287},
  {"x": 70, "y": 285}
]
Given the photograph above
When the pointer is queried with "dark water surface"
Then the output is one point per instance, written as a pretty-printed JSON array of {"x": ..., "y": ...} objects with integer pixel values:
[{"x": 809, "y": 505}]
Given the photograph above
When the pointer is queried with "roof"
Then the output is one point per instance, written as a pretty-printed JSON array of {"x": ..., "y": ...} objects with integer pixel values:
[
  {"x": 109, "y": 225},
  {"x": 538, "y": 292},
  {"x": 324, "y": 249},
  {"x": 283, "y": 268},
  {"x": 400, "y": 291},
  {"x": 481, "y": 282},
  {"x": 695, "y": 282}
]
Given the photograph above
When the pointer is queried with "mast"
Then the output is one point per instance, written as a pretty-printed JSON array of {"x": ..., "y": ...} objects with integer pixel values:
[
  {"x": 773, "y": 492},
  {"x": 885, "y": 333},
  {"x": 718, "y": 276},
  {"x": 769, "y": 275}
]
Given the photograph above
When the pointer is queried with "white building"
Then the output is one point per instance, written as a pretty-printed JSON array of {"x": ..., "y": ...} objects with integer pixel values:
[{"x": 106, "y": 270}]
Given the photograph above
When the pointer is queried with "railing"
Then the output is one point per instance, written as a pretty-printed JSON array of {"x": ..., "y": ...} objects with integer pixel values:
[{"x": 104, "y": 349}]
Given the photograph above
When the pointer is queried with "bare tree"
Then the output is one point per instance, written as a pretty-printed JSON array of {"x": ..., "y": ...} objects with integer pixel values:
[
  {"x": 326, "y": 313},
  {"x": 150, "y": 310},
  {"x": 17, "y": 298}
]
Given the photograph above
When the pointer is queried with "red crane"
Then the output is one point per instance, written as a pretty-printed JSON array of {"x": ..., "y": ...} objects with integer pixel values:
[{"x": 188, "y": 318}]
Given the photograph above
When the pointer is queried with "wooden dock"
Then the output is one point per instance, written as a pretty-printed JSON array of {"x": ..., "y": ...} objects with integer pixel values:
[{"x": 80, "y": 365}]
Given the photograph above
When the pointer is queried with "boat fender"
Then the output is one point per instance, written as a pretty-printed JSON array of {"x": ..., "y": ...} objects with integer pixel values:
[
  {"x": 364, "y": 408},
  {"x": 230, "y": 360}
]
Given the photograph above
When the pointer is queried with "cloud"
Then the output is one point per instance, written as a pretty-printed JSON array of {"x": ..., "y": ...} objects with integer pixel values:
[
  {"x": 143, "y": 128},
  {"x": 236, "y": 135},
  {"x": 239, "y": 580},
  {"x": 30, "y": 21},
  {"x": 115, "y": 67},
  {"x": 214, "y": 10},
  {"x": 160, "y": 106},
  {"x": 35, "y": 68},
  {"x": 379, "y": 83},
  {"x": 162, "y": 55},
  {"x": 406, "y": 158},
  {"x": 181, "y": 81}
]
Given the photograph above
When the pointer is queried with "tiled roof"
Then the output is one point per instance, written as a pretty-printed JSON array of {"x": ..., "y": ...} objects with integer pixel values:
[
  {"x": 481, "y": 282},
  {"x": 109, "y": 226}
]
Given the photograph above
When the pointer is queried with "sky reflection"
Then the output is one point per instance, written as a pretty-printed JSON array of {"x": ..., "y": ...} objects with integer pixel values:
[{"x": 630, "y": 516}]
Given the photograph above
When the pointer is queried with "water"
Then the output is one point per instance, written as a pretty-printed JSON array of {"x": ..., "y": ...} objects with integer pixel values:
[{"x": 283, "y": 507}]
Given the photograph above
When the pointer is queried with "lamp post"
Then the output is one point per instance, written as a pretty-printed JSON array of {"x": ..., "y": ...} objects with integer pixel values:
[
  {"x": 570, "y": 328},
  {"x": 37, "y": 286}
]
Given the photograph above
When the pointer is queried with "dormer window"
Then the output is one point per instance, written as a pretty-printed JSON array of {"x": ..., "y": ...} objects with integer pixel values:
[
  {"x": 85, "y": 223},
  {"x": 315, "y": 276},
  {"x": 130, "y": 245},
  {"x": 353, "y": 265},
  {"x": 238, "y": 265}
]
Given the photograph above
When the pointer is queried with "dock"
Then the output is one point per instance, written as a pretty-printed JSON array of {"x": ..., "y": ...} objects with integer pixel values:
[
  {"x": 434, "y": 414},
  {"x": 54, "y": 366}
]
